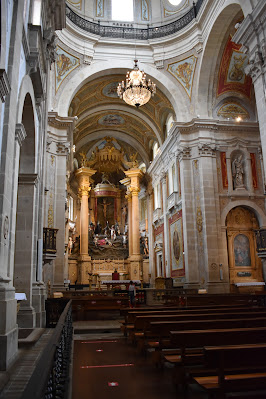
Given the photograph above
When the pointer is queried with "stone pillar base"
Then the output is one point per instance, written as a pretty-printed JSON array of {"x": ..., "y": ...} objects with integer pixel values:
[
  {"x": 8, "y": 327},
  {"x": 26, "y": 317},
  {"x": 38, "y": 302},
  {"x": 136, "y": 267},
  {"x": 72, "y": 270},
  {"x": 84, "y": 268}
]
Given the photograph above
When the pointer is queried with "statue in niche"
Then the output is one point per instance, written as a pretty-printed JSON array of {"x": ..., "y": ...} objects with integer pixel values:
[{"x": 238, "y": 172}]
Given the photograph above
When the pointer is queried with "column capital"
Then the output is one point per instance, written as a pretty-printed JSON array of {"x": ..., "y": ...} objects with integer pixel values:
[
  {"x": 83, "y": 175},
  {"x": 134, "y": 190},
  {"x": 20, "y": 133},
  {"x": 134, "y": 172}
]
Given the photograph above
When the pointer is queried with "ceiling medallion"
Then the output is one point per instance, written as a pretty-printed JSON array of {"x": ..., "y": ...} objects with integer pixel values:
[{"x": 137, "y": 90}]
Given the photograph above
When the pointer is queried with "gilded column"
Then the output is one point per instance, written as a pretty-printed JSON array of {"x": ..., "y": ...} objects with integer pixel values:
[
  {"x": 129, "y": 202},
  {"x": 83, "y": 175}
]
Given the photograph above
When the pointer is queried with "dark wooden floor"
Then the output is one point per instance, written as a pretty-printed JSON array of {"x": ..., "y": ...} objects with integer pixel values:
[{"x": 99, "y": 363}]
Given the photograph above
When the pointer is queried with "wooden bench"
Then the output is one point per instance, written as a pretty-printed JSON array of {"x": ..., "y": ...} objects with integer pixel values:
[
  {"x": 159, "y": 331},
  {"x": 141, "y": 322},
  {"x": 131, "y": 317},
  {"x": 238, "y": 368},
  {"x": 198, "y": 339}
]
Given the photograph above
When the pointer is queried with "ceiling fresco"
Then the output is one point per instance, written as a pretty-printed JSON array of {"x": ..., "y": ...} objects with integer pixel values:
[{"x": 101, "y": 112}]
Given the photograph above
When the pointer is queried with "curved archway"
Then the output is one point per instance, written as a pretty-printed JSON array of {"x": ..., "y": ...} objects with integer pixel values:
[
  {"x": 248, "y": 204},
  {"x": 211, "y": 53},
  {"x": 70, "y": 88}
]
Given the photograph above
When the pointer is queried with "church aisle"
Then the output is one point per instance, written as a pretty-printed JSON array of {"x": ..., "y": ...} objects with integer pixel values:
[{"x": 110, "y": 368}]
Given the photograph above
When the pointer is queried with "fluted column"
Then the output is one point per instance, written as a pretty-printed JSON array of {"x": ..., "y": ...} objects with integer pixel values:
[{"x": 83, "y": 175}]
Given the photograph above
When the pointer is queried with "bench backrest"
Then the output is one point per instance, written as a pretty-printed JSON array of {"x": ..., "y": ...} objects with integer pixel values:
[
  {"x": 132, "y": 315},
  {"x": 163, "y": 328},
  {"x": 141, "y": 322},
  {"x": 214, "y": 337}
]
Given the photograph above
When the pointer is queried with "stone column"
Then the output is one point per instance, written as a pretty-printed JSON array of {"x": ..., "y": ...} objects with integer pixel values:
[
  {"x": 83, "y": 175},
  {"x": 166, "y": 227},
  {"x": 24, "y": 271},
  {"x": 126, "y": 182},
  {"x": 135, "y": 259},
  {"x": 151, "y": 235}
]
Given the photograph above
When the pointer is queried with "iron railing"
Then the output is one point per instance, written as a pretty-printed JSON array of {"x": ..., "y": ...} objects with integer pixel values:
[
  {"x": 50, "y": 378},
  {"x": 125, "y": 32}
]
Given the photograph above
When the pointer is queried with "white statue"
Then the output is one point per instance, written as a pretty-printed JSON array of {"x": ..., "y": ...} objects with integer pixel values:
[{"x": 238, "y": 172}]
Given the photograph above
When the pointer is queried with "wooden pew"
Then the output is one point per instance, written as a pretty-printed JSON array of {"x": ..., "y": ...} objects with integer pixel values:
[
  {"x": 159, "y": 331},
  {"x": 141, "y": 322},
  {"x": 198, "y": 339},
  {"x": 129, "y": 324},
  {"x": 239, "y": 368}
]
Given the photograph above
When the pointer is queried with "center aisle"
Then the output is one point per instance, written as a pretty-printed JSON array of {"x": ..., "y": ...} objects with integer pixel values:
[{"x": 110, "y": 368}]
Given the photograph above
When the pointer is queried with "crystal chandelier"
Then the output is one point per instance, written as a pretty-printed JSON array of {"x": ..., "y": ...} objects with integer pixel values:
[{"x": 137, "y": 90}]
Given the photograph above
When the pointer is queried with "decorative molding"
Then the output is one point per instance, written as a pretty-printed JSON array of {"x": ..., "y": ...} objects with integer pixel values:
[
  {"x": 207, "y": 149},
  {"x": 60, "y": 122},
  {"x": 28, "y": 179},
  {"x": 63, "y": 148},
  {"x": 255, "y": 66},
  {"x": 20, "y": 133},
  {"x": 218, "y": 125},
  {"x": 4, "y": 85},
  {"x": 159, "y": 64},
  {"x": 184, "y": 153}
]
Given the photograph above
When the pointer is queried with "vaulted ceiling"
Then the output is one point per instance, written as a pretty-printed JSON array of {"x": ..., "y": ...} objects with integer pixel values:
[{"x": 102, "y": 113}]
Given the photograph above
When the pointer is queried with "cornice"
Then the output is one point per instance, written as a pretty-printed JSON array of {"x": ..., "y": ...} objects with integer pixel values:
[
  {"x": 60, "y": 122},
  {"x": 215, "y": 125},
  {"x": 20, "y": 133}
]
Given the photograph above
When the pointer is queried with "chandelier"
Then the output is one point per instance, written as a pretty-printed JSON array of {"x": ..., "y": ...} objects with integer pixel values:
[{"x": 137, "y": 90}]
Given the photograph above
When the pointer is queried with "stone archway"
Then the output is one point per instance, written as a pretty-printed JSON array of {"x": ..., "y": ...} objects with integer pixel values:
[{"x": 25, "y": 236}]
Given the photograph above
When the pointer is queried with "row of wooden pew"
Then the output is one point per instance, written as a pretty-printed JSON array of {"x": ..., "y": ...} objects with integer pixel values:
[{"x": 221, "y": 348}]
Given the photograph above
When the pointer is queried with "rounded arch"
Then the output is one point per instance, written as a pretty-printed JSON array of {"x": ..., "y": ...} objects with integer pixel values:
[
  {"x": 216, "y": 37},
  {"x": 247, "y": 204},
  {"x": 26, "y": 113},
  {"x": 123, "y": 109},
  {"x": 70, "y": 88},
  {"x": 117, "y": 135}
]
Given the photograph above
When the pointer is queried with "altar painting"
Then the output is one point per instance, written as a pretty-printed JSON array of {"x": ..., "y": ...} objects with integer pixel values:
[
  {"x": 242, "y": 250},
  {"x": 176, "y": 245}
]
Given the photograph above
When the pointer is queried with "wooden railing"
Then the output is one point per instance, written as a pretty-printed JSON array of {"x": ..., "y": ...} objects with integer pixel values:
[{"x": 51, "y": 375}]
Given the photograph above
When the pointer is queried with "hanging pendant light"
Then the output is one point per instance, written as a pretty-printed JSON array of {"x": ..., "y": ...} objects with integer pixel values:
[{"x": 137, "y": 90}]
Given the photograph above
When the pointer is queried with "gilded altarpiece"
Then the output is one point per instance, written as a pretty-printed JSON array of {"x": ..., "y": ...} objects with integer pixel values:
[{"x": 244, "y": 264}]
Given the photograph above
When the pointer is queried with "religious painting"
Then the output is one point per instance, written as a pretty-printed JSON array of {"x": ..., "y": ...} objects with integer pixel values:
[
  {"x": 111, "y": 120},
  {"x": 75, "y": 3},
  {"x": 176, "y": 245},
  {"x": 65, "y": 63},
  {"x": 184, "y": 71},
  {"x": 242, "y": 250},
  {"x": 233, "y": 111},
  {"x": 99, "y": 8},
  {"x": 110, "y": 90},
  {"x": 232, "y": 75}
]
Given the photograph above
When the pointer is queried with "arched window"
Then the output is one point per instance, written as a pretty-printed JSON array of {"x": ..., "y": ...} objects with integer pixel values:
[
  {"x": 155, "y": 149},
  {"x": 36, "y": 12},
  {"x": 175, "y": 2},
  {"x": 122, "y": 10}
]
